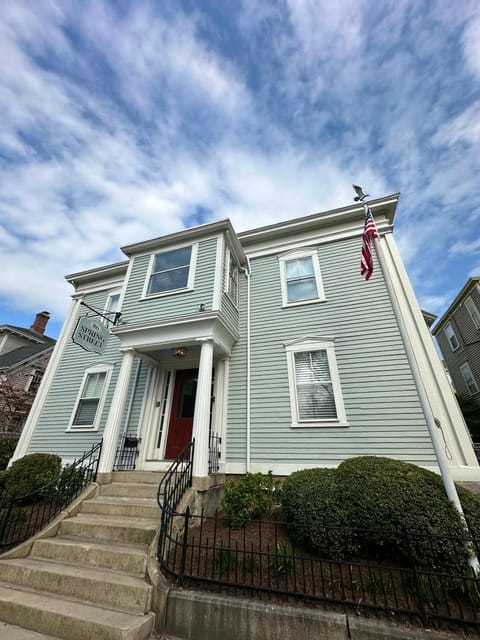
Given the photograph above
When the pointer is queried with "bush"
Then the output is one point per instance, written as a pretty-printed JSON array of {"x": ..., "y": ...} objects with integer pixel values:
[
  {"x": 254, "y": 495},
  {"x": 7, "y": 449},
  {"x": 315, "y": 516},
  {"x": 408, "y": 507},
  {"x": 31, "y": 473}
]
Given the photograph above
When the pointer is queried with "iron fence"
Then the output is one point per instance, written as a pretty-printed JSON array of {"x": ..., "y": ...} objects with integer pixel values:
[
  {"x": 126, "y": 454},
  {"x": 23, "y": 516},
  {"x": 214, "y": 453},
  {"x": 261, "y": 558}
]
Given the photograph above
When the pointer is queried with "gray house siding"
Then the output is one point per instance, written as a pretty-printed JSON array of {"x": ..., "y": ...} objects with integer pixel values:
[
  {"x": 382, "y": 407},
  {"x": 136, "y": 309},
  {"x": 50, "y": 435}
]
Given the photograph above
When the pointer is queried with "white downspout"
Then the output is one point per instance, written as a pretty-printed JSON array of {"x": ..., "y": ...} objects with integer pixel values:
[{"x": 248, "y": 273}]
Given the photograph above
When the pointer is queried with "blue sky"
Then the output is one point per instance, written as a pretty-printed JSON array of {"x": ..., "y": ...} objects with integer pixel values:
[{"x": 122, "y": 121}]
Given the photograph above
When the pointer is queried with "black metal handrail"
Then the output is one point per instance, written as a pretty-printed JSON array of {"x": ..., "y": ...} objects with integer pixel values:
[
  {"x": 126, "y": 454},
  {"x": 214, "y": 453},
  {"x": 206, "y": 550},
  {"x": 171, "y": 490},
  {"x": 22, "y": 517}
]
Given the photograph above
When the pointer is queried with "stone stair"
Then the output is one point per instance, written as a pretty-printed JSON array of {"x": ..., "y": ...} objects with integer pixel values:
[{"x": 88, "y": 582}]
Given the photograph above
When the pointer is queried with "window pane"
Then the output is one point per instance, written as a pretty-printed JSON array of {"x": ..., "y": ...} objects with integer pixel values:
[
  {"x": 94, "y": 385},
  {"x": 113, "y": 302},
  {"x": 172, "y": 259},
  {"x": 86, "y": 412},
  {"x": 315, "y": 397},
  {"x": 169, "y": 280},
  {"x": 299, "y": 268},
  {"x": 302, "y": 290}
]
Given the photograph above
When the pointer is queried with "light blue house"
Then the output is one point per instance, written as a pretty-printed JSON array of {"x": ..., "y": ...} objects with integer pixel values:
[{"x": 268, "y": 338}]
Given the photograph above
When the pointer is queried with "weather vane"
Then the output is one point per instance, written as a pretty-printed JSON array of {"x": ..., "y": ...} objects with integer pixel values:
[{"x": 360, "y": 197}]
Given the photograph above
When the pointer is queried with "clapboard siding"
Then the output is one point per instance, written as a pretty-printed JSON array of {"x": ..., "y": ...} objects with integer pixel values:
[
  {"x": 54, "y": 419},
  {"x": 136, "y": 309},
  {"x": 229, "y": 311},
  {"x": 382, "y": 407}
]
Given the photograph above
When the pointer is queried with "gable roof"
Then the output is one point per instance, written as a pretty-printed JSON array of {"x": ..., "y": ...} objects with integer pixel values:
[
  {"x": 24, "y": 354},
  {"x": 30, "y": 335},
  {"x": 467, "y": 287}
]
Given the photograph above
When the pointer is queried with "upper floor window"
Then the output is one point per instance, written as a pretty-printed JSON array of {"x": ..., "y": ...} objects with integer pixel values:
[
  {"x": 231, "y": 277},
  {"x": 301, "y": 278},
  {"x": 314, "y": 384},
  {"x": 112, "y": 306},
  {"x": 88, "y": 407},
  {"x": 469, "y": 379},
  {"x": 451, "y": 337},
  {"x": 473, "y": 311},
  {"x": 171, "y": 271},
  {"x": 34, "y": 379}
]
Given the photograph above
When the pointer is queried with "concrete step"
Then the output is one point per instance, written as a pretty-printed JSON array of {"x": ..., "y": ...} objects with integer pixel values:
[
  {"x": 121, "y": 506},
  {"x": 129, "y": 490},
  {"x": 100, "y": 586},
  {"x": 146, "y": 477},
  {"x": 70, "y": 620},
  {"x": 10, "y": 632},
  {"x": 113, "y": 528},
  {"x": 119, "y": 557}
]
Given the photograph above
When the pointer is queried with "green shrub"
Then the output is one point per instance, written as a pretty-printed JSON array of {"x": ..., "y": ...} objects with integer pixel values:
[
  {"x": 30, "y": 473},
  {"x": 254, "y": 495},
  {"x": 70, "y": 483},
  {"x": 315, "y": 515},
  {"x": 7, "y": 448},
  {"x": 403, "y": 510}
]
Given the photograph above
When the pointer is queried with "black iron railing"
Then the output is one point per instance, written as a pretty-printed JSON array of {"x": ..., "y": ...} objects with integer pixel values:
[
  {"x": 203, "y": 550},
  {"x": 22, "y": 517},
  {"x": 214, "y": 453},
  {"x": 126, "y": 454}
]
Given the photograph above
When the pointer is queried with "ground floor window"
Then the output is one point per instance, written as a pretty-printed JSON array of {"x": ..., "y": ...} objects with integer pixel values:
[{"x": 90, "y": 401}]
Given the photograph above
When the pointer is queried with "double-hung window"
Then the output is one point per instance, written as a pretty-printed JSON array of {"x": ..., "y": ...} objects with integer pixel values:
[
  {"x": 231, "y": 277},
  {"x": 171, "y": 271},
  {"x": 112, "y": 307},
  {"x": 315, "y": 391},
  {"x": 88, "y": 407},
  {"x": 468, "y": 377},
  {"x": 301, "y": 278},
  {"x": 451, "y": 337},
  {"x": 473, "y": 311}
]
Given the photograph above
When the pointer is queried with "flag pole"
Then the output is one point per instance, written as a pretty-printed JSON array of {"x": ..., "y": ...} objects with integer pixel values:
[{"x": 433, "y": 423}]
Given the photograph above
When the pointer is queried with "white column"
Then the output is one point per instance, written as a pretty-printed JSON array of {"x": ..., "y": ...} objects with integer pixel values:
[
  {"x": 114, "y": 420},
  {"x": 201, "y": 419}
]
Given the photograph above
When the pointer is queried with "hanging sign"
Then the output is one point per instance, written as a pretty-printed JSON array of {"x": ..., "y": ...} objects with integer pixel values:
[{"x": 90, "y": 334}]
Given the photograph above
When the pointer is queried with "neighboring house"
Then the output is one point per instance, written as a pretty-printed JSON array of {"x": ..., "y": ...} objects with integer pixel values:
[
  {"x": 458, "y": 335},
  {"x": 269, "y": 338},
  {"x": 24, "y": 355}
]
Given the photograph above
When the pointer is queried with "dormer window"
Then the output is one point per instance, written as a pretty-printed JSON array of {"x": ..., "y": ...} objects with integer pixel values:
[{"x": 171, "y": 271}]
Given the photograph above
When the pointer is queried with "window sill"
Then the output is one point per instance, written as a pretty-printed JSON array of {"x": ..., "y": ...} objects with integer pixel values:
[
  {"x": 80, "y": 429},
  {"x": 318, "y": 425},
  {"x": 287, "y": 305},
  {"x": 163, "y": 294}
]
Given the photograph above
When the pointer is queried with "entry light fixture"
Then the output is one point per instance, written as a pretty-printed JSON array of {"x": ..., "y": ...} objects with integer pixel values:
[{"x": 179, "y": 352}]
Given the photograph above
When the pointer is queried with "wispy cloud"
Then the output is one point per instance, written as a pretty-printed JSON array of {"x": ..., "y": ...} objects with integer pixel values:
[{"x": 123, "y": 122}]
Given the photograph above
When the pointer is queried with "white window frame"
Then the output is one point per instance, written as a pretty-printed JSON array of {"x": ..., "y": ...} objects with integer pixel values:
[
  {"x": 34, "y": 373},
  {"x": 315, "y": 344},
  {"x": 450, "y": 333},
  {"x": 473, "y": 311},
  {"x": 229, "y": 262},
  {"x": 464, "y": 366},
  {"x": 295, "y": 255},
  {"x": 92, "y": 370},
  {"x": 107, "y": 311},
  {"x": 191, "y": 272}
]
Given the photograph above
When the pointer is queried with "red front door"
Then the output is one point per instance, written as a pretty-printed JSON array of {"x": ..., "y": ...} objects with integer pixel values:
[{"x": 181, "y": 416}]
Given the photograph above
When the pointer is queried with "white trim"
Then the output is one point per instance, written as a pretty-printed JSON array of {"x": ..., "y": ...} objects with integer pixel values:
[
  {"x": 229, "y": 260},
  {"x": 81, "y": 291},
  {"x": 449, "y": 338},
  {"x": 295, "y": 255},
  {"x": 217, "y": 284},
  {"x": 191, "y": 272},
  {"x": 461, "y": 367},
  {"x": 50, "y": 373},
  {"x": 100, "y": 367},
  {"x": 475, "y": 313},
  {"x": 315, "y": 344}
]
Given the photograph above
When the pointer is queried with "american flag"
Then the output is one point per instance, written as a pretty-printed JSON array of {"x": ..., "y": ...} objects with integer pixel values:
[{"x": 369, "y": 233}]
